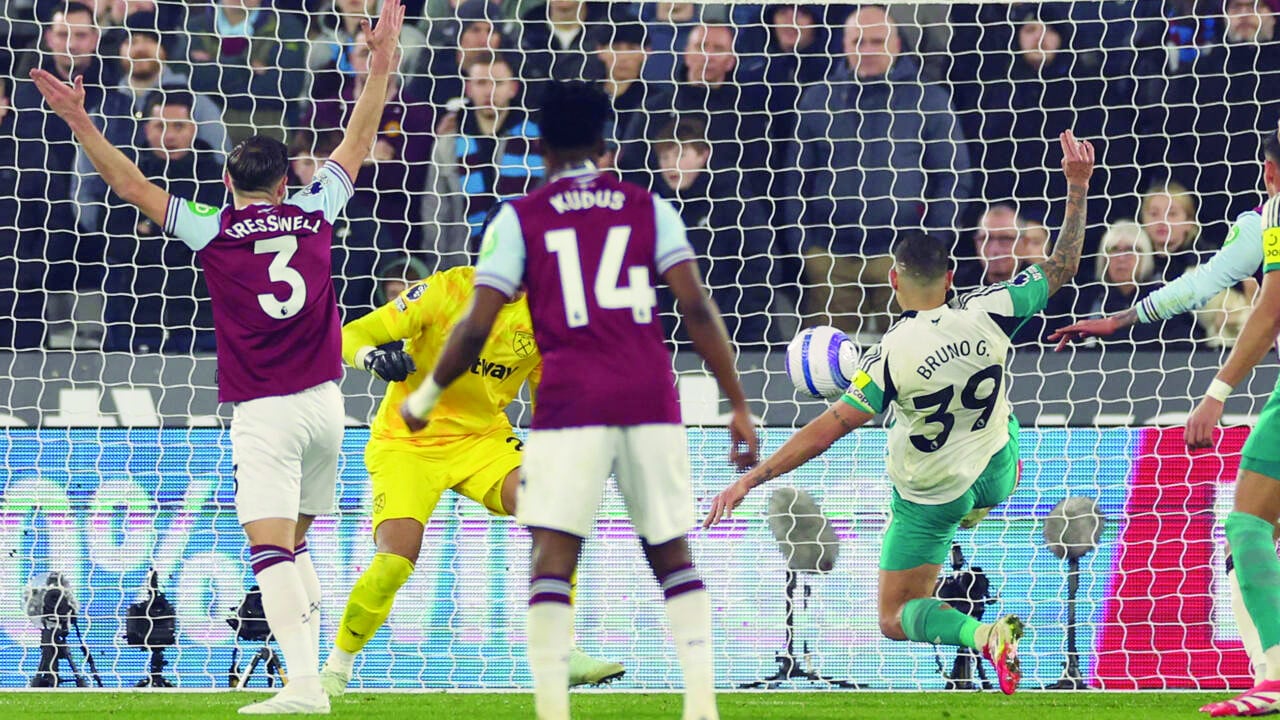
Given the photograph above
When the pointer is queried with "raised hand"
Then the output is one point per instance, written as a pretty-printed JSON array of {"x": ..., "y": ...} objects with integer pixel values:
[
  {"x": 1077, "y": 159},
  {"x": 67, "y": 101},
  {"x": 383, "y": 39}
]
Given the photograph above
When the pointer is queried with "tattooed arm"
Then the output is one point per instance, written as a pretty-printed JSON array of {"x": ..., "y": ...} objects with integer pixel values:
[
  {"x": 809, "y": 442},
  {"x": 1077, "y": 165}
]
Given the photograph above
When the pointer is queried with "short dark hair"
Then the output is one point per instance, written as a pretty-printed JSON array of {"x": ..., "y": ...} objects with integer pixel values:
[
  {"x": 490, "y": 57},
  {"x": 143, "y": 23},
  {"x": 921, "y": 256},
  {"x": 168, "y": 96},
  {"x": 573, "y": 115},
  {"x": 624, "y": 33},
  {"x": 1271, "y": 146},
  {"x": 688, "y": 129},
  {"x": 73, "y": 7},
  {"x": 258, "y": 164}
]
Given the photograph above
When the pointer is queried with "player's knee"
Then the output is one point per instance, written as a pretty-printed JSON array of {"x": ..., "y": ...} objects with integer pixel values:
[
  {"x": 668, "y": 557},
  {"x": 891, "y": 626},
  {"x": 387, "y": 573}
]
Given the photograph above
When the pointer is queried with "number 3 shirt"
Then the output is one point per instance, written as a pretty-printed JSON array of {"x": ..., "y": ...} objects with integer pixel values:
[
  {"x": 269, "y": 272},
  {"x": 940, "y": 373},
  {"x": 589, "y": 249}
]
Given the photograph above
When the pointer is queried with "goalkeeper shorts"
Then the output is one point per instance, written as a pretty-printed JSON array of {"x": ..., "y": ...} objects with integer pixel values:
[
  {"x": 1261, "y": 452},
  {"x": 407, "y": 479},
  {"x": 921, "y": 534}
]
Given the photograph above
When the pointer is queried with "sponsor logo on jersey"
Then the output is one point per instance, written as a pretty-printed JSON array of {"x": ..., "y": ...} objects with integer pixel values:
[
  {"x": 416, "y": 291},
  {"x": 497, "y": 371},
  {"x": 1232, "y": 236},
  {"x": 490, "y": 244},
  {"x": 401, "y": 305},
  {"x": 523, "y": 345},
  {"x": 200, "y": 209}
]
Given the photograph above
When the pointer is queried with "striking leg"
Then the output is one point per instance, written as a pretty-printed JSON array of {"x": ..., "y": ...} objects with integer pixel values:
[{"x": 689, "y": 615}]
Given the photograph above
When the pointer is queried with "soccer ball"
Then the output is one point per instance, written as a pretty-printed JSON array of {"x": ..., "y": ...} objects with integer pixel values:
[{"x": 821, "y": 362}]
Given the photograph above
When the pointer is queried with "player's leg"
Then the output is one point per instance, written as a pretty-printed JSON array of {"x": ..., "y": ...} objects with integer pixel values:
[
  {"x": 269, "y": 437},
  {"x": 405, "y": 493},
  {"x": 307, "y": 573},
  {"x": 654, "y": 479},
  {"x": 564, "y": 473},
  {"x": 583, "y": 669},
  {"x": 1244, "y": 623},
  {"x": 319, "y": 480}
]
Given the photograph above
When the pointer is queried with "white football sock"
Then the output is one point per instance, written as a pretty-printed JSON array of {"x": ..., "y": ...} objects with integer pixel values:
[
  {"x": 689, "y": 614},
  {"x": 550, "y": 639},
  {"x": 1248, "y": 632},
  {"x": 285, "y": 603},
  {"x": 310, "y": 583},
  {"x": 340, "y": 660}
]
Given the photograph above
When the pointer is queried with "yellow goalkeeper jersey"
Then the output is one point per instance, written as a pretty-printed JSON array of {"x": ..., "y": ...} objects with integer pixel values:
[{"x": 423, "y": 316}]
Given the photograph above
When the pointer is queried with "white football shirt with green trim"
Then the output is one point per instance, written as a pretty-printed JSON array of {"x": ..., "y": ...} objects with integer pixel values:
[{"x": 941, "y": 374}]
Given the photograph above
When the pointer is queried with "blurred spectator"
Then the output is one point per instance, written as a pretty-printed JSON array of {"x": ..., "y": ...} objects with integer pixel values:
[
  {"x": 621, "y": 53},
  {"x": 1126, "y": 271},
  {"x": 1023, "y": 113},
  {"x": 710, "y": 84},
  {"x": 444, "y": 19},
  {"x": 1168, "y": 215},
  {"x": 485, "y": 152},
  {"x": 116, "y": 16},
  {"x": 1218, "y": 110},
  {"x": 1193, "y": 25},
  {"x": 252, "y": 57},
  {"x": 395, "y": 276},
  {"x": 334, "y": 47},
  {"x": 51, "y": 262},
  {"x": 1007, "y": 244},
  {"x": 555, "y": 40},
  {"x": 798, "y": 53},
  {"x": 307, "y": 152},
  {"x": 731, "y": 235},
  {"x": 876, "y": 150},
  {"x": 668, "y": 25},
  {"x": 441, "y": 79},
  {"x": 8, "y": 209},
  {"x": 156, "y": 300},
  {"x": 145, "y": 68}
]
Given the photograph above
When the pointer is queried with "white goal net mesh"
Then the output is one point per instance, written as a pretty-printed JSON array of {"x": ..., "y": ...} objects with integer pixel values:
[{"x": 795, "y": 141}]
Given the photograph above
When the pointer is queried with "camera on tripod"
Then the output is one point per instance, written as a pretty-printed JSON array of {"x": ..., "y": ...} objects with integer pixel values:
[
  {"x": 968, "y": 590},
  {"x": 54, "y": 609},
  {"x": 152, "y": 624},
  {"x": 250, "y": 623}
]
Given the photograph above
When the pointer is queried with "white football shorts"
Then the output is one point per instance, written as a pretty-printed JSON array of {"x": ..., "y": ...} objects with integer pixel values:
[
  {"x": 285, "y": 451},
  {"x": 564, "y": 472}
]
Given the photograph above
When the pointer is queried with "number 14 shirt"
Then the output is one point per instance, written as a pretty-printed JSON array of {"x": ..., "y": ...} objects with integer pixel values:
[
  {"x": 269, "y": 272},
  {"x": 940, "y": 374},
  {"x": 589, "y": 250}
]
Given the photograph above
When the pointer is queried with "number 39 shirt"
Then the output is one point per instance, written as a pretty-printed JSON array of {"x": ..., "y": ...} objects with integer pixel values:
[
  {"x": 269, "y": 272},
  {"x": 589, "y": 249},
  {"x": 940, "y": 373}
]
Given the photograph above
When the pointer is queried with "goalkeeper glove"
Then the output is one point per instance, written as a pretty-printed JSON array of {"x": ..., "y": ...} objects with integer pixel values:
[{"x": 391, "y": 366}]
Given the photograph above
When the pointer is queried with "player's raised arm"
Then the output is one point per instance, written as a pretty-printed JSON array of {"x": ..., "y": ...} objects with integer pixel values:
[
  {"x": 1256, "y": 339},
  {"x": 711, "y": 341},
  {"x": 120, "y": 174},
  {"x": 1077, "y": 165},
  {"x": 383, "y": 41}
]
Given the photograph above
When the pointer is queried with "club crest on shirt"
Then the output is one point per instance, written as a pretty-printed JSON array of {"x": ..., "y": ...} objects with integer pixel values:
[
  {"x": 416, "y": 291},
  {"x": 523, "y": 345}
]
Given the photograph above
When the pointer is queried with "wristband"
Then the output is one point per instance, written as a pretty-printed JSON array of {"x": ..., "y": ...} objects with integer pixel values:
[
  {"x": 363, "y": 354},
  {"x": 424, "y": 398},
  {"x": 1219, "y": 390}
]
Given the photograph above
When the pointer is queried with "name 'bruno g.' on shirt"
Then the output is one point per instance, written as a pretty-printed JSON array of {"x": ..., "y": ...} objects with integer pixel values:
[{"x": 940, "y": 375}]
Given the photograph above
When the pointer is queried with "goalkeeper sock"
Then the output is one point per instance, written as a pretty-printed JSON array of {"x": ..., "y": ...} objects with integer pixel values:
[
  {"x": 311, "y": 583},
  {"x": 1248, "y": 632},
  {"x": 550, "y": 628},
  {"x": 370, "y": 601},
  {"x": 689, "y": 614},
  {"x": 926, "y": 620},
  {"x": 1258, "y": 571},
  {"x": 284, "y": 601}
]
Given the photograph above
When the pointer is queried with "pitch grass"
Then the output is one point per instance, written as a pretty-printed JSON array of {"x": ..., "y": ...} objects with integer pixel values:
[{"x": 69, "y": 704}]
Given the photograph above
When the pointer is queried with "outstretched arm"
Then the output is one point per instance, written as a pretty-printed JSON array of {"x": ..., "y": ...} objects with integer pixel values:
[
  {"x": 1077, "y": 165},
  {"x": 808, "y": 443},
  {"x": 384, "y": 45},
  {"x": 120, "y": 174}
]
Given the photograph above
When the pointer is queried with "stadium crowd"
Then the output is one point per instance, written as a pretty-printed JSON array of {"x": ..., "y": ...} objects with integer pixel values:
[{"x": 795, "y": 140}]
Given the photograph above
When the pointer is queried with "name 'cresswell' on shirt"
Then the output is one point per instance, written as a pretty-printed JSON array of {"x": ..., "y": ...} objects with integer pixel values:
[{"x": 273, "y": 224}]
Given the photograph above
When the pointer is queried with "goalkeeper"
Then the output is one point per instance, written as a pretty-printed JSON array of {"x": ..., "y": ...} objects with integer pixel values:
[
  {"x": 1239, "y": 259},
  {"x": 468, "y": 448}
]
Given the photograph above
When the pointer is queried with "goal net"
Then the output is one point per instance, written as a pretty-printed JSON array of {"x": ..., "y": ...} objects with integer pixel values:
[{"x": 796, "y": 142}]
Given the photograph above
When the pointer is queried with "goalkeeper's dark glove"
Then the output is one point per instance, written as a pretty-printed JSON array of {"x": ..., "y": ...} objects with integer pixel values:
[{"x": 390, "y": 365}]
